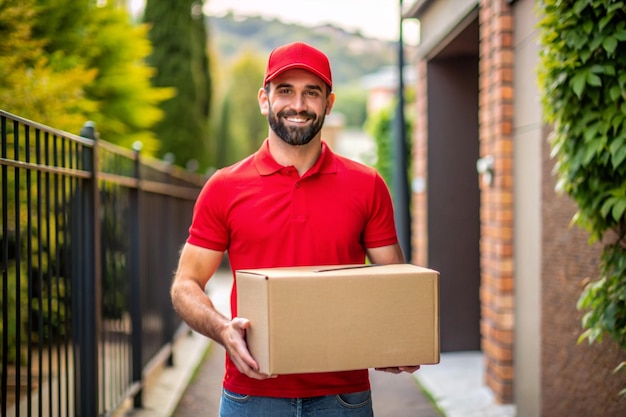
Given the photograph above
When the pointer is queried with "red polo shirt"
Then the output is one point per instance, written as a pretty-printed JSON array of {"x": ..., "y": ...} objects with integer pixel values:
[{"x": 266, "y": 215}]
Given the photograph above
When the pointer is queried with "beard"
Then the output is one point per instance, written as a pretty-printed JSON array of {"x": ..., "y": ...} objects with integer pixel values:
[{"x": 292, "y": 135}]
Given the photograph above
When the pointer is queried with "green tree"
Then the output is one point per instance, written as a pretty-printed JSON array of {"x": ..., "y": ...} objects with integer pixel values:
[
  {"x": 248, "y": 129},
  {"x": 128, "y": 104},
  {"x": 380, "y": 126},
  {"x": 178, "y": 35},
  {"x": 582, "y": 76},
  {"x": 352, "y": 103},
  {"x": 222, "y": 135},
  {"x": 29, "y": 85},
  {"x": 62, "y": 24},
  {"x": 68, "y": 61}
]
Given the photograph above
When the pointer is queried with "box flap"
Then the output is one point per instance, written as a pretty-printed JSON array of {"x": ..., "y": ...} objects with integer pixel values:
[{"x": 339, "y": 270}]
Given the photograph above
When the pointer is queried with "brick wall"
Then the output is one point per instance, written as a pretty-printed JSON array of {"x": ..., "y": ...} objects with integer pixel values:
[{"x": 496, "y": 212}]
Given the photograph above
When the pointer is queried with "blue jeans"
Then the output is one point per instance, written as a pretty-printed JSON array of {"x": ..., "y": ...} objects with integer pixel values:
[{"x": 358, "y": 404}]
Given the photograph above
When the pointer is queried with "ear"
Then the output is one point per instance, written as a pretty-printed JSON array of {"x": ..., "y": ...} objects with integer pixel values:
[
  {"x": 264, "y": 104},
  {"x": 330, "y": 102}
]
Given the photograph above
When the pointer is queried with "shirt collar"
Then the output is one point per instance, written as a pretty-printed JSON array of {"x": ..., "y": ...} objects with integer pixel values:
[{"x": 266, "y": 165}]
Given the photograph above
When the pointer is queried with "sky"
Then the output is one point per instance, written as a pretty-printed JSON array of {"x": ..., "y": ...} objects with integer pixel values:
[{"x": 373, "y": 18}]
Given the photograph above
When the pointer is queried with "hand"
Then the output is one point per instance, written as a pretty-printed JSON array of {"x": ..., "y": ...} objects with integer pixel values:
[
  {"x": 400, "y": 369},
  {"x": 233, "y": 337}
]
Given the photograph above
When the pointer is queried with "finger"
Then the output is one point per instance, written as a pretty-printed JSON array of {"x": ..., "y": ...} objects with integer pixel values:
[
  {"x": 244, "y": 368},
  {"x": 409, "y": 369},
  {"x": 240, "y": 354},
  {"x": 260, "y": 376},
  {"x": 246, "y": 358},
  {"x": 249, "y": 372},
  {"x": 391, "y": 370},
  {"x": 240, "y": 323}
]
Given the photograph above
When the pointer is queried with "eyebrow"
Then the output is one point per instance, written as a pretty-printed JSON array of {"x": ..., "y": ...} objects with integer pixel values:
[{"x": 308, "y": 86}]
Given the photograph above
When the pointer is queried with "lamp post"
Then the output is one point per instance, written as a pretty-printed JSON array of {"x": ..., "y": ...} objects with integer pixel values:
[{"x": 401, "y": 191}]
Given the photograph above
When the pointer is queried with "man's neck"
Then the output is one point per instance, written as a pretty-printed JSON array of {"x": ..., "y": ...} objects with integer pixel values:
[{"x": 301, "y": 157}]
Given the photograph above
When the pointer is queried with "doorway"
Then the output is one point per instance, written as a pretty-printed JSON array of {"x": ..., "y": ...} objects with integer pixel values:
[{"x": 453, "y": 192}]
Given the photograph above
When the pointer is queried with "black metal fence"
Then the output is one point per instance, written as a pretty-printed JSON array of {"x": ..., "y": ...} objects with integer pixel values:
[{"x": 89, "y": 240}]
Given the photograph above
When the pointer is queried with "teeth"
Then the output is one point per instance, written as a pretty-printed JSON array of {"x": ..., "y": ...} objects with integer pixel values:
[{"x": 297, "y": 119}]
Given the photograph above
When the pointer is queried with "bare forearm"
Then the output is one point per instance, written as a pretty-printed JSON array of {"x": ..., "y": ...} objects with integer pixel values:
[{"x": 197, "y": 310}]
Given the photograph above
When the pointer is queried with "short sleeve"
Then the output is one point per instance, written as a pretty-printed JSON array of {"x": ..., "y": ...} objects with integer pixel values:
[
  {"x": 209, "y": 226},
  {"x": 380, "y": 229}
]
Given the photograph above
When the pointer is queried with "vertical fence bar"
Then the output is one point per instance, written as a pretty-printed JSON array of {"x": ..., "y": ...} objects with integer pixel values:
[
  {"x": 76, "y": 226},
  {"x": 18, "y": 269},
  {"x": 68, "y": 189},
  {"x": 29, "y": 268},
  {"x": 45, "y": 271},
  {"x": 39, "y": 300},
  {"x": 104, "y": 351},
  {"x": 56, "y": 274},
  {"x": 5, "y": 265},
  {"x": 90, "y": 282},
  {"x": 135, "y": 284},
  {"x": 37, "y": 271},
  {"x": 168, "y": 325},
  {"x": 71, "y": 232}
]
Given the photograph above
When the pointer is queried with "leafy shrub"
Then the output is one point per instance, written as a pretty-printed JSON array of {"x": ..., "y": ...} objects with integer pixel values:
[{"x": 582, "y": 76}]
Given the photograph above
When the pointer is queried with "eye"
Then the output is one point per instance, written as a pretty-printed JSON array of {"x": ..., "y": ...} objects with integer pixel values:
[{"x": 313, "y": 93}]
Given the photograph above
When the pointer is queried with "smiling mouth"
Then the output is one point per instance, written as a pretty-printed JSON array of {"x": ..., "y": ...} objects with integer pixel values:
[{"x": 297, "y": 119}]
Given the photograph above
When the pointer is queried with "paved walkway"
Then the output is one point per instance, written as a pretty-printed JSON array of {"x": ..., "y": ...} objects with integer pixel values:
[
  {"x": 393, "y": 395},
  {"x": 192, "y": 387}
]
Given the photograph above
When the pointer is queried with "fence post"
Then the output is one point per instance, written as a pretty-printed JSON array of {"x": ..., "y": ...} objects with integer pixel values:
[
  {"x": 86, "y": 318},
  {"x": 135, "y": 282},
  {"x": 168, "y": 326}
]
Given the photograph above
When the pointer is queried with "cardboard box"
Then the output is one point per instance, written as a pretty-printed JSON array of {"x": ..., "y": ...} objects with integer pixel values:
[{"x": 338, "y": 318}]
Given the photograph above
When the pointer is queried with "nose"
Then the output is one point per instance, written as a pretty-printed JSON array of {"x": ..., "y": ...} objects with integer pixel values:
[{"x": 299, "y": 103}]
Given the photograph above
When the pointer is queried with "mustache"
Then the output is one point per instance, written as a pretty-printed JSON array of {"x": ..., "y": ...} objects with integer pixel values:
[{"x": 289, "y": 113}]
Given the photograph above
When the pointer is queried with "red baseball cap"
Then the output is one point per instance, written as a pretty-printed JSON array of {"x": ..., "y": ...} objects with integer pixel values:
[{"x": 298, "y": 55}]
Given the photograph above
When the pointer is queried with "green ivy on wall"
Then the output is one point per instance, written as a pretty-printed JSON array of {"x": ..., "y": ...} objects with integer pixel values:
[{"x": 582, "y": 76}]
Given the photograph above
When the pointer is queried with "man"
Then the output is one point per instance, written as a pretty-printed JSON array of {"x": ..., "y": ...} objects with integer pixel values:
[{"x": 292, "y": 203}]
